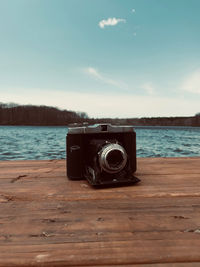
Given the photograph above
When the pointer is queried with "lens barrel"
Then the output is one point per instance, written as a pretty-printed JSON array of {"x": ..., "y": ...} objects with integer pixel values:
[{"x": 112, "y": 158}]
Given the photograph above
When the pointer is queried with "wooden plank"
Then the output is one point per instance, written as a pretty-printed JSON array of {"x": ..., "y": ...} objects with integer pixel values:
[
  {"x": 93, "y": 222},
  {"x": 47, "y": 220},
  {"x": 176, "y": 177}
]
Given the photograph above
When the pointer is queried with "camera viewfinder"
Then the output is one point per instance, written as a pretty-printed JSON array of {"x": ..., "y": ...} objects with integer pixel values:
[{"x": 104, "y": 128}]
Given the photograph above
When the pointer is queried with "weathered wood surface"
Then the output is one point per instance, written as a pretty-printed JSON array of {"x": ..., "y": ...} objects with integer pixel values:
[{"x": 47, "y": 220}]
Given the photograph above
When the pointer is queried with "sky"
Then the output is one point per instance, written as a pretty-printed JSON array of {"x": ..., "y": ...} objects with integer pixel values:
[{"x": 108, "y": 58}]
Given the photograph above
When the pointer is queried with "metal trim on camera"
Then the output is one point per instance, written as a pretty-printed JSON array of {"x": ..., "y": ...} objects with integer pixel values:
[
  {"x": 99, "y": 128},
  {"x": 118, "y": 163}
]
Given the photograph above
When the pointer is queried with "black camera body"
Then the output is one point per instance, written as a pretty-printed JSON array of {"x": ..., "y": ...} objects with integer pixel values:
[{"x": 103, "y": 154}]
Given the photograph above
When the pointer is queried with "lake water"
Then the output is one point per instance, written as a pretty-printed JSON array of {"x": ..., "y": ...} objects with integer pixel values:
[{"x": 27, "y": 142}]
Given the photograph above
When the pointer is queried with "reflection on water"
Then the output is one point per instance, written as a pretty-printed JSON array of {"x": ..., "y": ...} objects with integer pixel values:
[{"x": 27, "y": 142}]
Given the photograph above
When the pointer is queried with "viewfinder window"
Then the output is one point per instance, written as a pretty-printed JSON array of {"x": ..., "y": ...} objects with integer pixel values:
[{"x": 104, "y": 128}]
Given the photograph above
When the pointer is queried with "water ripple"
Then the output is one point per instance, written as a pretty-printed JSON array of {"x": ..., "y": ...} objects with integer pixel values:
[{"x": 27, "y": 142}]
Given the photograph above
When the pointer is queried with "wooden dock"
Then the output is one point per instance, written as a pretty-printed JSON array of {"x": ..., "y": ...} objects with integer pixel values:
[{"x": 47, "y": 220}]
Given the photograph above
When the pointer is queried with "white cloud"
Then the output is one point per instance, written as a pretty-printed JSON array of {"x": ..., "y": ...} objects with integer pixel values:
[
  {"x": 149, "y": 88},
  {"x": 105, "y": 104},
  {"x": 110, "y": 22},
  {"x": 103, "y": 78},
  {"x": 192, "y": 82},
  {"x": 93, "y": 72},
  {"x": 133, "y": 10}
]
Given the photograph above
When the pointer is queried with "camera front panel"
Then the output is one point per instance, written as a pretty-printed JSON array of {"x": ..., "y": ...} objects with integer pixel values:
[{"x": 93, "y": 145}]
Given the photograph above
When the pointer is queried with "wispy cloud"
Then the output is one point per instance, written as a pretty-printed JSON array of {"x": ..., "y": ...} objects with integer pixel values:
[
  {"x": 104, "y": 78},
  {"x": 192, "y": 82},
  {"x": 149, "y": 88},
  {"x": 133, "y": 10},
  {"x": 93, "y": 72},
  {"x": 110, "y": 22}
]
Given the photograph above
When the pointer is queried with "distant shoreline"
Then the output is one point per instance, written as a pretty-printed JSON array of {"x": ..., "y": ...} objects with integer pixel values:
[
  {"x": 67, "y": 126},
  {"x": 30, "y": 115}
]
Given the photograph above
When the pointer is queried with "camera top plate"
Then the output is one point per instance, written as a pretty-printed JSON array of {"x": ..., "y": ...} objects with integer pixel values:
[{"x": 100, "y": 128}]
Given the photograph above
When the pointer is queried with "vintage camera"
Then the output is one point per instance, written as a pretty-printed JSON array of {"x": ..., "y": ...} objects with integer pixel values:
[{"x": 103, "y": 154}]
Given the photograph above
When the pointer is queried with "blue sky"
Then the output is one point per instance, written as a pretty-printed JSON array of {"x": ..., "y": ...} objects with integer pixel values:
[{"x": 109, "y": 58}]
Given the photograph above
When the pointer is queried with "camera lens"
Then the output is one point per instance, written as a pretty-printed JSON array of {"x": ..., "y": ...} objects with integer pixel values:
[{"x": 112, "y": 158}]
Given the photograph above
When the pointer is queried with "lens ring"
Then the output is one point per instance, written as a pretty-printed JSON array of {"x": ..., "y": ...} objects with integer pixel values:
[{"x": 104, "y": 154}]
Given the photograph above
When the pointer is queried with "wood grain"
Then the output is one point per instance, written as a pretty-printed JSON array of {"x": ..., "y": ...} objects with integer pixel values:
[{"x": 48, "y": 220}]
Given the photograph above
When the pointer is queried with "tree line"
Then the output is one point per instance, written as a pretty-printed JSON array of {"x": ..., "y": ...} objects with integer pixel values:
[
  {"x": 14, "y": 114},
  {"x": 154, "y": 121}
]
